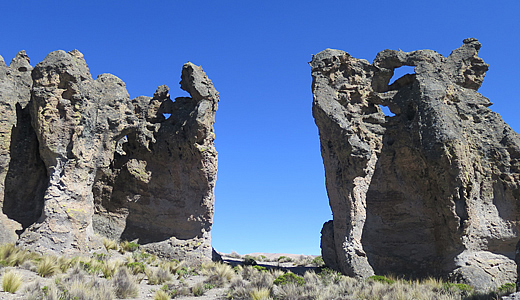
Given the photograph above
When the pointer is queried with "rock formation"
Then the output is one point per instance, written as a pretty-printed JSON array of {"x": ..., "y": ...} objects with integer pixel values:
[
  {"x": 432, "y": 190},
  {"x": 81, "y": 160}
]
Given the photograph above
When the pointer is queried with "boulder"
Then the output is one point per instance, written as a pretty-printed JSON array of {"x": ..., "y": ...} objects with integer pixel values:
[
  {"x": 429, "y": 191},
  {"x": 102, "y": 164}
]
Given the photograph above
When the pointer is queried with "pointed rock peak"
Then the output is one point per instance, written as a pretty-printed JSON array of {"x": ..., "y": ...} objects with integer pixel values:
[
  {"x": 162, "y": 93},
  {"x": 2, "y": 62},
  {"x": 77, "y": 54},
  {"x": 468, "y": 70},
  {"x": 71, "y": 63},
  {"x": 21, "y": 62},
  {"x": 197, "y": 84},
  {"x": 472, "y": 42}
]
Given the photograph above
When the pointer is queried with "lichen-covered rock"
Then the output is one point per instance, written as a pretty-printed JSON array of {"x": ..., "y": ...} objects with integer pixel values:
[
  {"x": 432, "y": 190},
  {"x": 102, "y": 164}
]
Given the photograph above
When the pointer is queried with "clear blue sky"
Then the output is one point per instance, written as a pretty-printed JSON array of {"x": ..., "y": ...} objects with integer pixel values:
[{"x": 270, "y": 194}]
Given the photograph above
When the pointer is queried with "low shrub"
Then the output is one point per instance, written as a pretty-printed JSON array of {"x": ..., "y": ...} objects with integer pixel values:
[
  {"x": 289, "y": 278},
  {"x": 460, "y": 286},
  {"x": 136, "y": 267},
  {"x": 260, "y": 268},
  {"x": 249, "y": 261},
  {"x": 507, "y": 288},
  {"x": 329, "y": 276},
  {"x": 262, "y": 258},
  {"x": 101, "y": 256},
  {"x": 198, "y": 289},
  {"x": 382, "y": 279},
  {"x": 126, "y": 246},
  {"x": 283, "y": 259},
  {"x": 318, "y": 261}
]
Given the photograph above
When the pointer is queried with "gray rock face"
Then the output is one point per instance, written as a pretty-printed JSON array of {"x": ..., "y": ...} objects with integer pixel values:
[
  {"x": 432, "y": 190},
  {"x": 103, "y": 164},
  {"x": 23, "y": 177}
]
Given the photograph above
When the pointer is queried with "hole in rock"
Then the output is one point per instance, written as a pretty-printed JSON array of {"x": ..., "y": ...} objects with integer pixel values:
[
  {"x": 386, "y": 111},
  {"x": 400, "y": 72},
  {"x": 167, "y": 116}
]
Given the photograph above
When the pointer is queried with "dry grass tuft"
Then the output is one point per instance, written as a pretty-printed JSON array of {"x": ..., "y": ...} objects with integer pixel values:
[
  {"x": 77, "y": 285},
  {"x": 198, "y": 289},
  {"x": 36, "y": 291},
  {"x": 109, "y": 244},
  {"x": 125, "y": 285},
  {"x": 7, "y": 250},
  {"x": 219, "y": 274},
  {"x": 260, "y": 294},
  {"x": 91, "y": 289},
  {"x": 47, "y": 266},
  {"x": 65, "y": 263},
  {"x": 109, "y": 268},
  {"x": 161, "y": 295},
  {"x": 158, "y": 276},
  {"x": 172, "y": 265},
  {"x": 11, "y": 281},
  {"x": 126, "y": 246}
]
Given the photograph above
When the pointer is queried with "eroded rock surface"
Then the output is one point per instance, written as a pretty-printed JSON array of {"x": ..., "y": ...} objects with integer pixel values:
[
  {"x": 432, "y": 190},
  {"x": 96, "y": 163},
  {"x": 23, "y": 177}
]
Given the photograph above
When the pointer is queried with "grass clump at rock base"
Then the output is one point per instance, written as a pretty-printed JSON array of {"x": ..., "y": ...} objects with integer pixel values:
[
  {"x": 381, "y": 279},
  {"x": 318, "y": 261},
  {"x": 126, "y": 246},
  {"x": 110, "y": 244}
]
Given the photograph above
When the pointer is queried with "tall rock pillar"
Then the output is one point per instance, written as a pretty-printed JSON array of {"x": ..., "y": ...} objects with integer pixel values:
[{"x": 432, "y": 190}]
